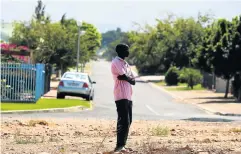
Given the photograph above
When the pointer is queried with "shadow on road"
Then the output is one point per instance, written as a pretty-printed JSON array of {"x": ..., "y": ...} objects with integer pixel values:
[
  {"x": 221, "y": 101},
  {"x": 209, "y": 119},
  {"x": 215, "y": 98}
]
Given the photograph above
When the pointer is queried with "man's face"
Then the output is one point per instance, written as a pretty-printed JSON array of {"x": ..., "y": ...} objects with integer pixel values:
[
  {"x": 122, "y": 50},
  {"x": 126, "y": 53}
]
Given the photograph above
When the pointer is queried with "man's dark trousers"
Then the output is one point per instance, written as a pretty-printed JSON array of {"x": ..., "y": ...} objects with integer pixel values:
[{"x": 124, "y": 111}]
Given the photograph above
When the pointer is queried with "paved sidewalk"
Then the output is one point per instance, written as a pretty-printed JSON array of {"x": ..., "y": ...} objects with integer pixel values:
[
  {"x": 208, "y": 100},
  {"x": 153, "y": 78},
  {"x": 205, "y": 99},
  {"x": 51, "y": 94},
  {"x": 226, "y": 109}
]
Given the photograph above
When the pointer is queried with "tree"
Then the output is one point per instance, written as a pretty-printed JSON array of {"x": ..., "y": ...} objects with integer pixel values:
[
  {"x": 219, "y": 51},
  {"x": 55, "y": 42},
  {"x": 191, "y": 76},
  {"x": 222, "y": 55},
  {"x": 111, "y": 36},
  {"x": 171, "y": 77},
  {"x": 172, "y": 42},
  {"x": 109, "y": 40},
  {"x": 40, "y": 12},
  {"x": 89, "y": 42},
  {"x": 236, "y": 53},
  {"x": 143, "y": 50},
  {"x": 187, "y": 34}
]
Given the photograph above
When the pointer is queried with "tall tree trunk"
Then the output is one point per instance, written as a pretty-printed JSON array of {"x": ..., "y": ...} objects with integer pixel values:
[
  {"x": 57, "y": 73},
  {"x": 62, "y": 69},
  {"x": 227, "y": 89},
  {"x": 239, "y": 95},
  {"x": 239, "y": 91}
]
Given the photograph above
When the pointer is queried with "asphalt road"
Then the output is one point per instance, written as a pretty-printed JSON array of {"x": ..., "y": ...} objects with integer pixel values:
[{"x": 148, "y": 103}]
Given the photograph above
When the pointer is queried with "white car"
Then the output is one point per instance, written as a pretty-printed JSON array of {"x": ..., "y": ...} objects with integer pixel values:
[{"x": 76, "y": 84}]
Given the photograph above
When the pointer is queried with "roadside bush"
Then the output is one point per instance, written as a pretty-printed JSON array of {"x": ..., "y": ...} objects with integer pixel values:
[
  {"x": 171, "y": 77},
  {"x": 191, "y": 76}
]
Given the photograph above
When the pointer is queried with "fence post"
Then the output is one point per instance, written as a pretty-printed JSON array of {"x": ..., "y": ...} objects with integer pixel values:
[
  {"x": 43, "y": 78},
  {"x": 38, "y": 82}
]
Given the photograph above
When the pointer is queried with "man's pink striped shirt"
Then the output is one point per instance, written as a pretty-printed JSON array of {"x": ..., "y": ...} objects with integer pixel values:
[{"x": 122, "y": 89}]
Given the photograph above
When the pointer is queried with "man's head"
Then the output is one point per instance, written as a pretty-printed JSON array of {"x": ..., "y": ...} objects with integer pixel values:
[{"x": 122, "y": 50}]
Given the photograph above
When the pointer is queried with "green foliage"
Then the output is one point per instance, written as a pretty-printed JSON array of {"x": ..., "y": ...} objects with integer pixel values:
[
  {"x": 160, "y": 131},
  {"x": 191, "y": 76},
  {"x": 89, "y": 42},
  {"x": 111, "y": 36},
  {"x": 8, "y": 58},
  {"x": 109, "y": 41},
  {"x": 56, "y": 42},
  {"x": 171, "y": 77},
  {"x": 210, "y": 45},
  {"x": 170, "y": 43},
  {"x": 220, "y": 51}
]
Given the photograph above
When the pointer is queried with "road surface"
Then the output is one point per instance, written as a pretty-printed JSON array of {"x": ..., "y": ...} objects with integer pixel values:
[{"x": 149, "y": 103}]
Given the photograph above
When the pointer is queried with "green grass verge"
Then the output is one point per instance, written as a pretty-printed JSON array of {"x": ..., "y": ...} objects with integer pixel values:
[
  {"x": 185, "y": 88},
  {"x": 180, "y": 87},
  {"x": 44, "y": 104},
  {"x": 161, "y": 83}
]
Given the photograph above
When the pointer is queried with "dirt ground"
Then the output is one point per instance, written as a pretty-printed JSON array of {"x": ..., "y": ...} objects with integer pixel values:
[{"x": 78, "y": 136}]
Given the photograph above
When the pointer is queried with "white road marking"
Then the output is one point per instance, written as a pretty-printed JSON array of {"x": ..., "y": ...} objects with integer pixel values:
[
  {"x": 153, "y": 111},
  {"x": 169, "y": 114}
]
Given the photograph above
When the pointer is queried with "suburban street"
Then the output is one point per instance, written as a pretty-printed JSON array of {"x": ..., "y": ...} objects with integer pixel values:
[{"x": 149, "y": 103}]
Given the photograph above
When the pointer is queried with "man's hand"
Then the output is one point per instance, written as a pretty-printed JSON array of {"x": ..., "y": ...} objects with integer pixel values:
[
  {"x": 132, "y": 82},
  {"x": 126, "y": 78}
]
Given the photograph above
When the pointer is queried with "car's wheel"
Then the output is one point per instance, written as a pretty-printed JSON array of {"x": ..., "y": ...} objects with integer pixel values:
[
  {"x": 88, "y": 97},
  {"x": 60, "y": 96},
  {"x": 92, "y": 97}
]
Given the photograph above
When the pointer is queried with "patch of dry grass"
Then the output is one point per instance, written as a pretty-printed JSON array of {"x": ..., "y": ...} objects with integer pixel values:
[
  {"x": 53, "y": 138},
  {"x": 235, "y": 130},
  {"x": 26, "y": 139},
  {"x": 160, "y": 131},
  {"x": 33, "y": 123}
]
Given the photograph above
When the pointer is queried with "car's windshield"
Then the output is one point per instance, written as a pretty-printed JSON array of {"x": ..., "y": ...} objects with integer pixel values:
[{"x": 75, "y": 76}]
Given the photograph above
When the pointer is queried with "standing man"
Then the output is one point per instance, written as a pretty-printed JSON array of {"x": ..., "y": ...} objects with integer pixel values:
[{"x": 123, "y": 79}]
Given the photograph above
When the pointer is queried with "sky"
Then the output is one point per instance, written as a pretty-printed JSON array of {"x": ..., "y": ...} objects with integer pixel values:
[{"x": 110, "y": 14}]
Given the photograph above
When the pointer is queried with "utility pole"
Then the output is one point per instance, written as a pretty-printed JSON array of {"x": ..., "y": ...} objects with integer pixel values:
[
  {"x": 78, "y": 48},
  {"x": 77, "y": 64}
]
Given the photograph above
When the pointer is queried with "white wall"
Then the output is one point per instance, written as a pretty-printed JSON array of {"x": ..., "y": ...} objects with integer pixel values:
[{"x": 220, "y": 85}]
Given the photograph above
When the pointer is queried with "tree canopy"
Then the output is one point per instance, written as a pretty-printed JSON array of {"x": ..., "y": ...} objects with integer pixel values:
[{"x": 56, "y": 42}]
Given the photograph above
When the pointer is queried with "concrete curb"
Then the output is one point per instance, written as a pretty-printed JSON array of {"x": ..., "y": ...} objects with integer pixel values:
[
  {"x": 199, "y": 106},
  {"x": 69, "y": 109},
  {"x": 218, "y": 113}
]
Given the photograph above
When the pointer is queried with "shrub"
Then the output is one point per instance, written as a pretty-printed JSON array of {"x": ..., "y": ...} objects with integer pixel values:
[
  {"x": 191, "y": 76},
  {"x": 160, "y": 131},
  {"x": 171, "y": 77}
]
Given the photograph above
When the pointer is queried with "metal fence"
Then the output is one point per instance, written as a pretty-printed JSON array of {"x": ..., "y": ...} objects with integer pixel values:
[{"x": 22, "y": 82}]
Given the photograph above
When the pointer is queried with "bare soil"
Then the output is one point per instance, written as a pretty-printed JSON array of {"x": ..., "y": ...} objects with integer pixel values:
[{"x": 80, "y": 136}]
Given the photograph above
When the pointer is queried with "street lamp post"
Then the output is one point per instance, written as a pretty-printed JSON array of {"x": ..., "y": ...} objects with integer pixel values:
[
  {"x": 28, "y": 26},
  {"x": 78, "y": 48},
  {"x": 77, "y": 63}
]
